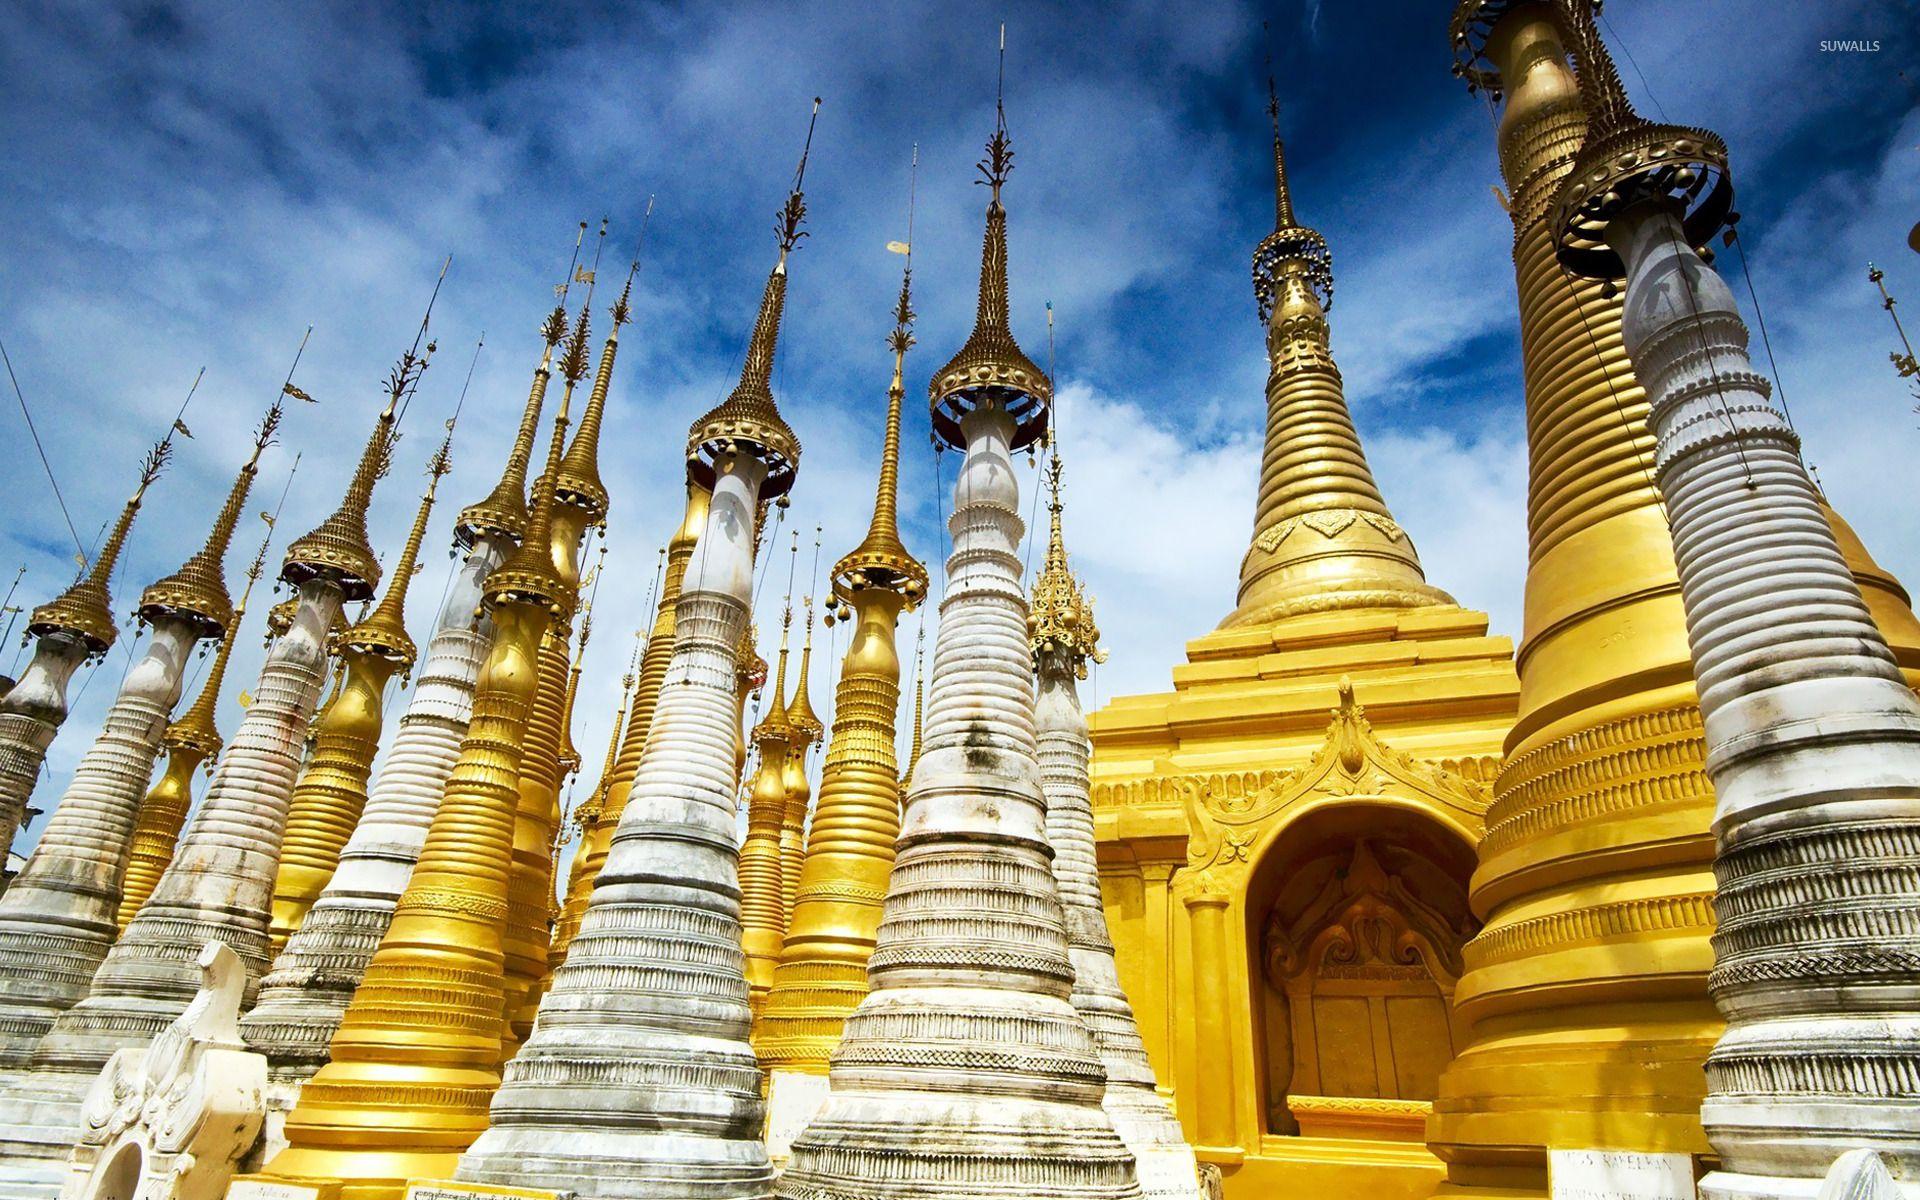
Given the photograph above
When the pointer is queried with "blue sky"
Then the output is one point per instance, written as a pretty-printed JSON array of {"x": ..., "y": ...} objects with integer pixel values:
[{"x": 193, "y": 184}]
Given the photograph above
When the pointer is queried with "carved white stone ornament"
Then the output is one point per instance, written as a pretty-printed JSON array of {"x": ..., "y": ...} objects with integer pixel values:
[{"x": 170, "y": 1121}]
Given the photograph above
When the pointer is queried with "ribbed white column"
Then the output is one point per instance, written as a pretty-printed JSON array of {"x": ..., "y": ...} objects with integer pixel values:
[
  {"x": 221, "y": 879},
  {"x": 966, "y": 1070},
  {"x": 30, "y": 714},
  {"x": 1167, "y": 1168},
  {"x": 58, "y": 919},
  {"x": 304, "y": 995},
  {"x": 1813, "y": 746},
  {"x": 638, "y": 1080}
]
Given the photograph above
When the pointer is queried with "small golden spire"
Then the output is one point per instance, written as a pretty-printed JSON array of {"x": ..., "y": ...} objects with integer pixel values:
[
  {"x": 1060, "y": 620},
  {"x": 85, "y": 609},
  {"x": 383, "y": 634},
  {"x": 504, "y": 511},
  {"x": 579, "y": 482},
  {"x": 338, "y": 548},
  {"x": 198, "y": 728},
  {"x": 197, "y": 592},
  {"x": 748, "y": 418},
  {"x": 1904, "y": 363},
  {"x": 775, "y": 726},
  {"x": 529, "y": 575},
  {"x": 919, "y": 709},
  {"x": 881, "y": 559},
  {"x": 991, "y": 366},
  {"x": 800, "y": 715},
  {"x": 569, "y": 753}
]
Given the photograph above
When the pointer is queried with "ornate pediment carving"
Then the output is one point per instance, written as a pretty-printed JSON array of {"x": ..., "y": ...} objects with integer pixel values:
[{"x": 1352, "y": 762}]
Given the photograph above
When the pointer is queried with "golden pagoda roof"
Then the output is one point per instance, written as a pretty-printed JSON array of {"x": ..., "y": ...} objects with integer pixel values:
[
  {"x": 991, "y": 366},
  {"x": 85, "y": 610},
  {"x": 748, "y": 421},
  {"x": 338, "y": 548},
  {"x": 1060, "y": 617},
  {"x": 197, "y": 592},
  {"x": 804, "y": 722}
]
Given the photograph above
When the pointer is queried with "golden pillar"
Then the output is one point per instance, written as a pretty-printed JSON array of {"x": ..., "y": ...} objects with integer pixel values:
[
  {"x": 327, "y": 801},
  {"x": 417, "y": 1055},
  {"x": 793, "y": 776},
  {"x": 822, "y": 971},
  {"x": 580, "y": 502},
  {"x": 1585, "y": 994},
  {"x": 762, "y": 916}
]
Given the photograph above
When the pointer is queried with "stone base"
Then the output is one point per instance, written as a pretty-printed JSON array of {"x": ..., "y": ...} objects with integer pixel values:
[
  {"x": 456, "y": 1189},
  {"x": 1853, "y": 1177},
  {"x": 39, "y": 1125},
  {"x": 792, "y": 1099},
  {"x": 251, "y": 1187}
]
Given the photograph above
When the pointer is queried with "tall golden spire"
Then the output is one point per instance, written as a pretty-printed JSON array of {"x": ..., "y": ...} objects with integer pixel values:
[
  {"x": 197, "y": 592},
  {"x": 1060, "y": 619},
  {"x": 1322, "y": 536},
  {"x": 991, "y": 364},
  {"x": 762, "y": 863},
  {"x": 86, "y": 609},
  {"x": 504, "y": 511},
  {"x": 748, "y": 414}
]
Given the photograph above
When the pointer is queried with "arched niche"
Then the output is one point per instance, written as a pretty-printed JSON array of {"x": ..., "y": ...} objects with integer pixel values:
[{"x": 1356, "y": 913}]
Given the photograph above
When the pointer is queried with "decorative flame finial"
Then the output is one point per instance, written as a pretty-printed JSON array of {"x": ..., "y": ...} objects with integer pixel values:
[
  {"x": 1627, "y": 159},
  {"x": 991, "y": 367},
  {"x": 748, "y": 421},
  {"x": 881, "y": 559},
  {"x": 1291, "y": 249},
  {"x": 579, "y": 482},
  {"x": 1904, "y": 363},
  {"x": 338, "y": 548}
]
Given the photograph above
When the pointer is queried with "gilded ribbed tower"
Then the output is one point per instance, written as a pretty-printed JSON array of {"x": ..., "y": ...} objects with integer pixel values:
[
  {"x": 417, "y": 1053},
  {"x": 220, "y": 881},
  {"x": 305, "y": 994},
  {"x": 1586, "y": 993},
  {"x": 807, "y": 729},
  {"x": 965, "y": 1070},
  {"x": 1322, "y": 757},
  {"x": 638, "y": 1080},
  {"x": 190, "y": 742},
  {"x": 762, "y": 914},
  {"x": 58, "y": 918},
  {"x": 73, "y": 628},
  {"x": 822, "y": 971},
  {"x": 580, "y": 502}
]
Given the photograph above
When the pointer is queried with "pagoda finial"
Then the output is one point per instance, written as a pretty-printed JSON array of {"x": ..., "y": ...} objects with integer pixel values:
[
  {"x": 529, "y": 575},
  {"x": 1627, "y": 159},
  {"x": 197, "y": 592},
  {"x": 85, "y": 609},
  {"x": 775, "y": 724},
  {"x": 1060, "y": 619},
  {"x": 1904, "y": 363},
  {"x": 748, "y": 420},
  {"x": 338, "y": 548},
  {"x": 504, "y": 511},
  {"x": 579, "y": 483},
  {"x": 991, "y": 367},
  {"x": 199, "y": 726},
  {"x": 806, "y": 723},
  {"x": 1292, "y": 248},
  {"x": 384, "y": 631}
]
